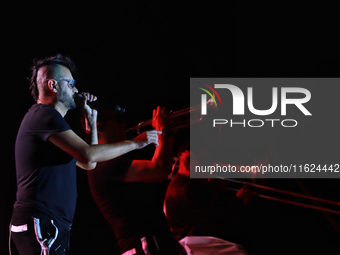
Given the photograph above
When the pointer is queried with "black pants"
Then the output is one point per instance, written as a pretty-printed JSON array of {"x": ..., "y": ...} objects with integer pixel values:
[{"x": 38, "y": 234}]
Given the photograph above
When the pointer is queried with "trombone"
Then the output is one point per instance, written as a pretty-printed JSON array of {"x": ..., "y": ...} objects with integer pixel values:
[
  {"x": 179, "y": 119},
  {"x": 293, "y": 194}
]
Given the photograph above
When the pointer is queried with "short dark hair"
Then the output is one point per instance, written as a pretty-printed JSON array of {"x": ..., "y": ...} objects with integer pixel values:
[{"x": 37, "y": 63}]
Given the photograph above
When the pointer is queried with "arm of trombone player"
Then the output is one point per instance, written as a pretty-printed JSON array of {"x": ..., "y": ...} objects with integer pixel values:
[{"x": 159, "y": 167}]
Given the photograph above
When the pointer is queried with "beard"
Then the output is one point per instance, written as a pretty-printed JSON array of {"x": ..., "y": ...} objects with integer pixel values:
[{"x": 66, "y": 99}]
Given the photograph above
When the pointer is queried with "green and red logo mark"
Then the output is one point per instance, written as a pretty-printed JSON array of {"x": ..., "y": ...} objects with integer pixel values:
[{"x": 204, "y": 97}]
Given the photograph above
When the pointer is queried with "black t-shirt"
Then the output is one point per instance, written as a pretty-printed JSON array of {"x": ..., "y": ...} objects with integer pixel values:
[{"x": 46, "y": 175}]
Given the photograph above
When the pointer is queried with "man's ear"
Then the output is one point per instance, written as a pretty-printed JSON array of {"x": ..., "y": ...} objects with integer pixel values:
[{"x": 53, "y": 85}]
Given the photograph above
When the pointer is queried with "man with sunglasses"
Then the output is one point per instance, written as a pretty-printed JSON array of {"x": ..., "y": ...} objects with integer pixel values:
[{"x": 47, "y": 152}]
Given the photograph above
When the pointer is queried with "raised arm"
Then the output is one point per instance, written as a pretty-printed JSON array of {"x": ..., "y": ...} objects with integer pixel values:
[
  {"x": 71, "y": 143},
  {"x": 159, "y": 167},
  {"x": 91, "y": 136}
]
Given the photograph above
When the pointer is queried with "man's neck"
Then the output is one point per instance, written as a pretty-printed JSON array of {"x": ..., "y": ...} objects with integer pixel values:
[{"x": 56, "y": 105}]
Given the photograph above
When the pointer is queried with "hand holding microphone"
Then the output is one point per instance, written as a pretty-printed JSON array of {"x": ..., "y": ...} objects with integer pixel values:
[
  {"x": 90, "y": 114},
  {"x": 101, "y": 104},
  {"x": 87, "y": 97}
]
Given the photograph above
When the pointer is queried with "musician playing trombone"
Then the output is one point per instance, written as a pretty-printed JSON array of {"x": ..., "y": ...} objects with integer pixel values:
[
  {"x": 204, "y": 208},
  {"x": 127, "y": 190}
]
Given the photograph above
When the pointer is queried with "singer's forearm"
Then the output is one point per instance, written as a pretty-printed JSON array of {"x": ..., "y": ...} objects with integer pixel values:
[
  {"x": 104, "y": 152},
  {"x": 84, "y": 153},
  {"x": 91, "y": 138}
]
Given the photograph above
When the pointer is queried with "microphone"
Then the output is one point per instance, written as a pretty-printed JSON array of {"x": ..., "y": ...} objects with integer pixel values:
[{"x": 105, "y": 105}]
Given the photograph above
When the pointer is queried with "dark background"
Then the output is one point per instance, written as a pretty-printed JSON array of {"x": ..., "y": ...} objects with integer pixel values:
[{"x": 140, "y": 54}]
